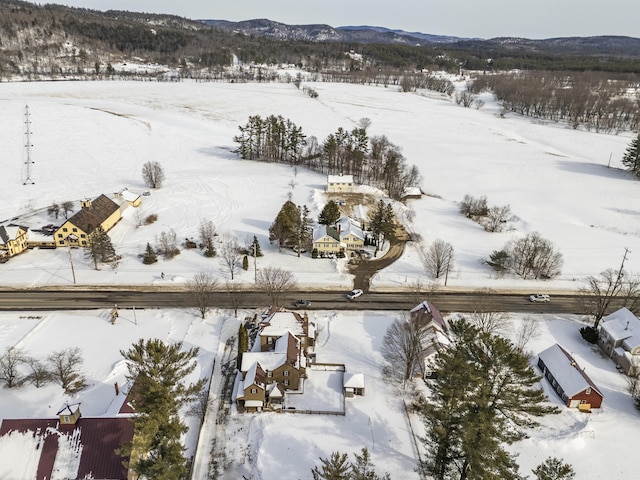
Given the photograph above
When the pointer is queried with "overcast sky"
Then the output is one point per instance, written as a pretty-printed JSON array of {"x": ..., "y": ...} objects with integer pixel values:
[{"x": 462, "y": 18}]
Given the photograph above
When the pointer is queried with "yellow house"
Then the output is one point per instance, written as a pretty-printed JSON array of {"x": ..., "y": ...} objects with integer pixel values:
[
  {"x": 340, "y": 183},
  {"x": 101, "y": 212},
  {"x": 13, "y": 240},
  {"x": 350, "y": 233},
  {"x": 326, "y": 240}
]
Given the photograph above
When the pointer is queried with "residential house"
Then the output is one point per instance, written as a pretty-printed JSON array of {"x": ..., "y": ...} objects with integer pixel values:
[
  {"x": 569, "y": 381},
  {"x": 326, "y": 241},
  {"x": 438, "y": 329},
  {"x": 70, "y": 445},
  {"x": 13, "y": 240},
  {"x": 284, "y": 366},
  {"x": 340, "y": 184},
  {"x": 101, "y": 212},
  {"x": 350, "y": 233},
  {"x": 619, "y": 338},
  {"x": 133, "y": 199},
  {"x": 277, "y": 362}
]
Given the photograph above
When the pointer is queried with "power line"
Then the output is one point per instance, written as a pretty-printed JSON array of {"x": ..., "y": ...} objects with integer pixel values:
[{"x": 27, "y": 147}]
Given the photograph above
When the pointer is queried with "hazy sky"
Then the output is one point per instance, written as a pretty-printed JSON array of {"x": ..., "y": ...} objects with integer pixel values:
[{"x": 462, "y": 18}]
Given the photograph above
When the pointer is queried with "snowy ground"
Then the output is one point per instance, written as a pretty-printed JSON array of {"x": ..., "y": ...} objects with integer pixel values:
[{"x": 92, "y": 138}]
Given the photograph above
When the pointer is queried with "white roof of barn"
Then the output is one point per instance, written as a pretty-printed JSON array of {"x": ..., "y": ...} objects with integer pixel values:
[
  {"x": 340, "y": 178},
  {"x": 566, "y": 370},
  {"x": 129, "y": 196},
  {"x": 623, "y": 325}
]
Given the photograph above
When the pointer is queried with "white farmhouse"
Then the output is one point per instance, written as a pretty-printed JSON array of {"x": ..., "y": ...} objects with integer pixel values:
[{"x": 340, "y": 184}]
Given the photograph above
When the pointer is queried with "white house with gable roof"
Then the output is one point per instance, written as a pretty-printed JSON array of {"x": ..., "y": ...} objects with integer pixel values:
[
  {"x": 340, "y": 184},
  {"x": 619, "y": 338}
]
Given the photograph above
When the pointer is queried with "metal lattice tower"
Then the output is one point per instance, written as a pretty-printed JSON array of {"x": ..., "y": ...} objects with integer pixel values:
[{"x": 27, "y": 147}]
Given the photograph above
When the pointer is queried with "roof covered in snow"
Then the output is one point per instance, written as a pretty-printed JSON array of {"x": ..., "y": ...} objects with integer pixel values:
[
  {"x": 353, "y": 380},
  {"x": 340, "y": 178},
  {"x": 280, "y": 323},
  {"x": 347, "y": 226},
  {"x": 566, "y": 371},
  {"x": 622, "y": 325}
]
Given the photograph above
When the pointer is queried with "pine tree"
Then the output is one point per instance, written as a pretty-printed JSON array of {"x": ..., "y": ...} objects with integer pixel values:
[
  {"x": 304, "y": 229},
  {"x": 243, "y": 343},
  {"x": 330, "y": 214},
  {"x": 363, "y": 469},
  {"x": 100, "y": 248},
  {"x": 255, "y": 250},
  {"x": 158, "y": 370},
  {"x": 554, "y": 469},
  {"x": 285, "y": 227},
  {"x": 245, "y": 263},
  {"x": 336, "y": 467},
  {"x": 631, "y": 158},
  {"x": 149, "y": 255},
  {"x": 483, "y": 397}
]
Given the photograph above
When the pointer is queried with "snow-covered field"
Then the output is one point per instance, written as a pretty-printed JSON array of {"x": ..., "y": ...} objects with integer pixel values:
[{"x": 92, "y": 138}]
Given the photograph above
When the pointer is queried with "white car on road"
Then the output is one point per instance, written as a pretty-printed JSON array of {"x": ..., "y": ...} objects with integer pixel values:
[
  {"x": 540, "y": 297},
  {"x": 354, "y": 294}
]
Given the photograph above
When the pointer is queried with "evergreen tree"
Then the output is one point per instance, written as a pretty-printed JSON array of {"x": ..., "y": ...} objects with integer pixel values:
[
  {"x": 305, "y": 230},
  {"x": 245, "y": 263},
  {"x": 483, "y": 397},
  {"x": 158, "y": 370},
  {"x": 99, "y": 248},
  {"x": 149, "y": 255},
  {"x": 554, "y": 469},
  {"x": 363, "y": 469},
  {"x": 285, "y": 227},
  {"x": 243, "y": 343},
  {"x": 336, "y": 467},
  {"x": 329, "y": 214},
  {"x": 254, "y": 249},
  {"x": 631, "y": 158}
]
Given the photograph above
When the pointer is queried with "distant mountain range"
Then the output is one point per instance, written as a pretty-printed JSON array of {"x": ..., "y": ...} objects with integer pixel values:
[{"x": 597, "y": 45}]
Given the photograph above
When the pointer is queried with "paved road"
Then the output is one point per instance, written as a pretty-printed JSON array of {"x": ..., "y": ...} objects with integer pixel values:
[{"x": 126, "y": 297}]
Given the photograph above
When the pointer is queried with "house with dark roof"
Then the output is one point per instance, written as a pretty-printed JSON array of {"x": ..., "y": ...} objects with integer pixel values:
[
  {"x": 619, "y": 338},
  {"x": 569, "y": 381},
  {"x": 438, "y": 331},
  {"x": 13, "y": 240},
  {"x": 101, "y": 212}
]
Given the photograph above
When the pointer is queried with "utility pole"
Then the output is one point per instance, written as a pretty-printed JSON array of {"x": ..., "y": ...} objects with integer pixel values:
[
  {"x": 73, "y": 272},
  {"x": 255, "y": 264}
]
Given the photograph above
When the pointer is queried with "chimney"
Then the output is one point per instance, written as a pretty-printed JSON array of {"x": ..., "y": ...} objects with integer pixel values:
[{"x": 626, "y": 327}]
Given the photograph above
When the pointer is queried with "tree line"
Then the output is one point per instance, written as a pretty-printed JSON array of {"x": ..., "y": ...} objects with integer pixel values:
[{"x": 373, "y": 160}]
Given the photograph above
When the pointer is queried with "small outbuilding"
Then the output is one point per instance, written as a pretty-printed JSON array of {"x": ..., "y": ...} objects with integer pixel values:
[
  {"x": 353, "y": 384},
  {"x": 568, "y": 380}
]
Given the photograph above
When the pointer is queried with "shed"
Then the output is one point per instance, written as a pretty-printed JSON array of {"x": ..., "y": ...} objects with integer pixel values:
[
  {"x": 568, "y": 380},
  {"x": 353, "y": 384}
]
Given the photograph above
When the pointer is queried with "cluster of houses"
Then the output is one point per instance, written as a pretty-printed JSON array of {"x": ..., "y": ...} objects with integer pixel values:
[{"x": 74, "y": 232}]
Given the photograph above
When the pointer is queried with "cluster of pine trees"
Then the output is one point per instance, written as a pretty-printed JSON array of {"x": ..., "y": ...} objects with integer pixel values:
[{"x": 373, "y": 161}]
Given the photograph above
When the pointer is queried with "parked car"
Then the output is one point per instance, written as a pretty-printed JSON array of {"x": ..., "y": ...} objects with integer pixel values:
[
  {"x": 302, "y": 303},
  {"x": 353, "y": 294},
  {"x": 540, "y": 297}
]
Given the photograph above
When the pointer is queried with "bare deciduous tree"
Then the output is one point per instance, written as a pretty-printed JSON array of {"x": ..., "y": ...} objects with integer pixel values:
[
  {"x": 497, "y": 217},
  {"x": 66, "y": 207},
  {"x": 54, "y": 209},
  {"x": 207, "y": 237},
  {"x": 526, "y": 330},
  {"x": 484, "y": 315},
  {"x": 534, "y": 257},
  {"x": 10, "y": 363},
  {"x": 40, "y": 374},
  {"x": 153, "y": 174},
  {"x": 438, "y": 259},
  {"x": 64, "y": 366},
  {"x": 235, "y": 294},
  {"x": 612, "y": 289},
  {"x": 230, "y": 257},
  {"x": 275, "y": 281},
  {"x": 167, "y": 244},
  {"x": 405, "y": 345},
  {"x": 474, "y": 208},
  {"x": 201, "y": 288}
]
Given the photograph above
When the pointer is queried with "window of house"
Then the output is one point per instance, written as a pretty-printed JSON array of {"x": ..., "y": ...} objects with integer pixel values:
[
  {"x": 59, "y": 235},
  {"x": 66, "y": 419},
  {"x": 269, "y": 374},
  {"x": 269, "y": 340},
  {"x": 588, "y": 391},
  {"x": 254, "y": 390},
  {"x": 74, "y": 229},
  {"x": 583, "y": 402},
  {"x": 82, "y": 235},
  {"x": 286, "y": 373},
  {"x": 286, "y": 383},
  {"x": 65, "y": 229}
]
